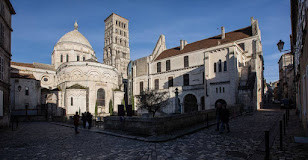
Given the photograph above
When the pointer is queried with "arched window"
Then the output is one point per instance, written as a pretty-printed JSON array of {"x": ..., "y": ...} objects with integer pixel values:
[
  {"x": 121, "y": 41},
  {"x": 67, "y": 58},
  {"x": 100, "y": 100},
  {"x": 225, "y": 65},
  {"x": 78, "y": 58},
  {"x": 215, "y": 65},
  {"x": 72, "y": 103},
  {"x": 27, "y": 91},
  {"x": 219, "y": 66},
  {"x": 83, "y": 58},
  {"x": 61, "y": 58},
  {"x": 116, "y": 40}
]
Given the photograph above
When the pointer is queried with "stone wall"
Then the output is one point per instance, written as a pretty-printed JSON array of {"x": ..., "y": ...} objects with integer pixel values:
[{"x": 161, "y": 125}]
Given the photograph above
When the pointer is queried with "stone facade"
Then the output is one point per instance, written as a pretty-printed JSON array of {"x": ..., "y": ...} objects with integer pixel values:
[
  {"x": 6, "y": 12},
  {"x": 299, "y": 48},
  {"x": 74, "y": 82},
  {"x": 286, "y": 76},
  {"x": 227, "y": 67},
  {"x": 116, "y": 50}
]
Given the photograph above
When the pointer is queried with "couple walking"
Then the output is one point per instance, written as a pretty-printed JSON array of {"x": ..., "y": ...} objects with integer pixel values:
[
  {"x": 222, "y": 117},
  {"x": 86, "y": 118}
]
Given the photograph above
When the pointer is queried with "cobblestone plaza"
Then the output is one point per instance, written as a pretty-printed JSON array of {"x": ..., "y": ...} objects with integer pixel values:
[{"x": 38, "y": 140}]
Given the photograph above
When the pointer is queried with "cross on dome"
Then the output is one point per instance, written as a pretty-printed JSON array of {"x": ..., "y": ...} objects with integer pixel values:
[{"x": 76, "y": 25}]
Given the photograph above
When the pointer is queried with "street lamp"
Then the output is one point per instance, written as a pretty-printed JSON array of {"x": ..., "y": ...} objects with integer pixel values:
[{"x": 280, "y": 45}]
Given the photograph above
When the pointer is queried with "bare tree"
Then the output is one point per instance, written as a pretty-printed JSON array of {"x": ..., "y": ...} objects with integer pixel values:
[{"x": 152, "y": 101}]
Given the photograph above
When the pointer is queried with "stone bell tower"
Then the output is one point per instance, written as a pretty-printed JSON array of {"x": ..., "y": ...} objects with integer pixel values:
[{"x": 116, "y": 49}]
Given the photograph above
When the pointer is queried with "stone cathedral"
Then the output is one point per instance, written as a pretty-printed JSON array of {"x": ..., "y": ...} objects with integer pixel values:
[{"x": 74, "y": 81}]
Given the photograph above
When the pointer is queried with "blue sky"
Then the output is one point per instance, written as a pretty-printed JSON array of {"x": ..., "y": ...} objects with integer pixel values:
[{"x": 39, "y": 24}]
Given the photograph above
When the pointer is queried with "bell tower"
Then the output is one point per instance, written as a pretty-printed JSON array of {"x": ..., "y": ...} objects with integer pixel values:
[{"x": 116, "y": 48}]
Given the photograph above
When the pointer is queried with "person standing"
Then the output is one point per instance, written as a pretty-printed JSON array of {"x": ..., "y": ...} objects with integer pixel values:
[
  {"x": 84, "y": 120},
  {"x": 218, "y": 113},
  {"x": 224, "y": 119},
  {"x": 76, "y": 122}
]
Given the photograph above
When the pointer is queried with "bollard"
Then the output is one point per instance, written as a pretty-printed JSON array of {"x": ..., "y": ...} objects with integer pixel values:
[
  {"x": 207, "y": 120},
  {"x": 280, "y": 126},
  {"x": 267, "y": 148}
]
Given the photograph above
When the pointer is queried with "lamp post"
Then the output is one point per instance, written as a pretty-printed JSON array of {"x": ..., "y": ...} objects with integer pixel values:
[{"x": 280, "y": 45}]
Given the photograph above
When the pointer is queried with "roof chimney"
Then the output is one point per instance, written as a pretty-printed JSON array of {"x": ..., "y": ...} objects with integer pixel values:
[
  {"x": 183, "y": 43},
  {"x": 223, "y": 35}
]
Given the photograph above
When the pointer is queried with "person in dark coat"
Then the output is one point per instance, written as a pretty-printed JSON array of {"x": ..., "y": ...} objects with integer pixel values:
[
  {"x": 76, "y": 122},
  {"x": 90, "y": 120},
  {"x": 224, "y": 115},
  {"x": 84, "y": 120},
  {"x": 218, "y": 113}
]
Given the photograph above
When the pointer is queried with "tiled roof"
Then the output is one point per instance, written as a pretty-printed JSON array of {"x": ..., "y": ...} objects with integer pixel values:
[
  {"x": 34, "y": 65},
  {"x": 207, "y": 43},
  {"x": 20, "y": 75}
]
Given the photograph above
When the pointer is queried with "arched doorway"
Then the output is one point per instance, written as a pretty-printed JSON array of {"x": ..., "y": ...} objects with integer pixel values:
[
  {"x": 220, "y": 101},
  {"x": 100, "y": 100},
  {"x": 190, "y": 103}
]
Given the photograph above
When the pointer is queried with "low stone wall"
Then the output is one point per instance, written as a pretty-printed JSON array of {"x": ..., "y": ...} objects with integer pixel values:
[{"x": 162, "y": 125}]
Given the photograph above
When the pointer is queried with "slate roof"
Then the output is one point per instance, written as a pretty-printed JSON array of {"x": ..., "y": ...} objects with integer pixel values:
[{"x": 208, "y": 43}]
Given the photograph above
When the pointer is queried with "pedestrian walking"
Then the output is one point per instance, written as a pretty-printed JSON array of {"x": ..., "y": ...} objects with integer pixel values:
[
  {"x": 84, "y": 120},
  {"x": 218, "y": 113},
  {"x": 225, "y": 114},
  {"x": 76, "y": 122}
]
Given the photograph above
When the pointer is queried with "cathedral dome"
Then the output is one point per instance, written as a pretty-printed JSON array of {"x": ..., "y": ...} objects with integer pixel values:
[{"x": 75, "y": 37}]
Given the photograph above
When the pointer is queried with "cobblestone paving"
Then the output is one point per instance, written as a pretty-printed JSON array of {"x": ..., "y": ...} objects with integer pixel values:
[
  {"x": 42, "y": 140},
  {"x": 291, "y": 150}
]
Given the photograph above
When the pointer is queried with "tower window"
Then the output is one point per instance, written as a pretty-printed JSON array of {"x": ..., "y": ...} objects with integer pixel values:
[
  {"x": 72, "y": 103},
  {"x": 67, "y": 58},
  {"x": 83, "y": 58},
  {"x": 156, "y": 84},
  {"x": 158, "y": 67},
  {"x": 167, "y": 65},
  {"x": 219, "y": 89},
  {"x": 186, "y": 62},
  {"x": 216, "y": 90},
  {"x": 225, "y": 65},
  {"x": 170, "y": 82},
  {"x": 203, "y": 77},
  {"x": 219, "y": 66},
  {"x": 61, "y": 59},
  {"x": 223, "y": 89},
  {"x": 141, "y": 87},
  {"x": 78, "y": 58},
  {"x": 186, "y": 79}
]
